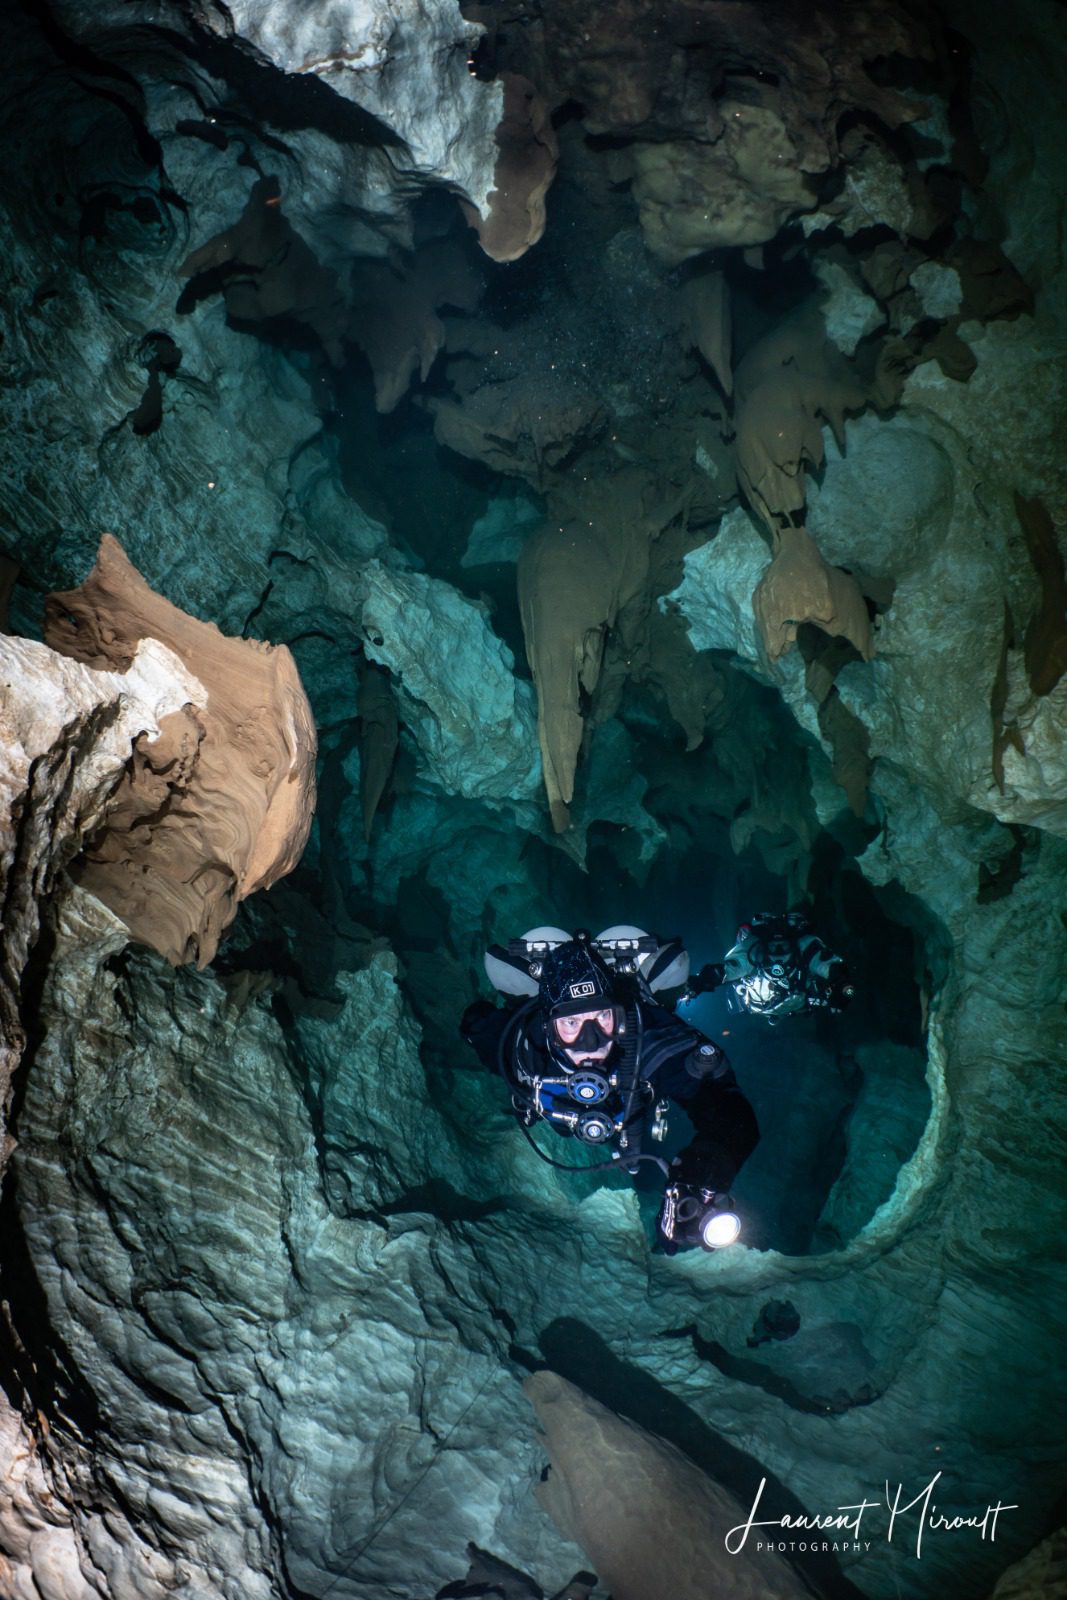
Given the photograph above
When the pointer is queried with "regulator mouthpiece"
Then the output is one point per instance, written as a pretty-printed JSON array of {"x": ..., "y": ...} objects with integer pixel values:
[{"x": 719, "y": 1228}]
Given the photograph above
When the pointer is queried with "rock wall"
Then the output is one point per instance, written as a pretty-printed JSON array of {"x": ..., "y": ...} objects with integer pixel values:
[
  {"x": 314, "y": 1300},
  {"x": 94, "y": 751},
  {"x": 68, "y": 733}
]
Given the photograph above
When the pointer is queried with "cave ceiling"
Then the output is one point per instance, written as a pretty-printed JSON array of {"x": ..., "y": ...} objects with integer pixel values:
[{"x": 467, "y": 467}]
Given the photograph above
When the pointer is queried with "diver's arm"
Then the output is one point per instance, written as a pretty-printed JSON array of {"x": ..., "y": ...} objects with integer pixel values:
[
  {"x": 727, "y": 1132},
  {"x": 708, "y": 978},
  {"x": 482, "y": 1025},
  {"x": 837, "y": 988},
  {"x": 827, "y": 978}
]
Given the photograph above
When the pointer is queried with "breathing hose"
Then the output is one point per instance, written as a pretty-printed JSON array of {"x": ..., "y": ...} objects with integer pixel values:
[
  {"x": 631, "y": 1058},
  {"x": 518, "y": 1015},
  {"x": 592, "y": 1166}
]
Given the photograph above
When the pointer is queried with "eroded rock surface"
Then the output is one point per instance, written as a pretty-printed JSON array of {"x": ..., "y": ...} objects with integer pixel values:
[
  {"x": 67, "y": 731},
  {"x": 789, "y": 384},
  {"x": 798, "y": 587},
  {"x": 650, "y": 1522},
  {"x": 219, "y": 802},
  {"x": 268, "y": 275},
  {"x": 726, "y": 166},
  {"x": 473, "y": 721},
  {"x": 404, "y": 65}
]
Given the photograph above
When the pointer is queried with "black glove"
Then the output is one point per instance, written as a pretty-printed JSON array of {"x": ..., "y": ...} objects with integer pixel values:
[
  {"x": 476, "y": 1012},
  {"x": 835, "y": 991},
  {"x": 684, "y": 1208},
  {"x": 843, "y": 991},
  {"x": 708, "y": 978}
]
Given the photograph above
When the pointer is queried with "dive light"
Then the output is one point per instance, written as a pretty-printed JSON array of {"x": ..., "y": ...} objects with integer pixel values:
[
  {"x": 719, "y": 1228},
  {"x": 700, "y": 1217}
]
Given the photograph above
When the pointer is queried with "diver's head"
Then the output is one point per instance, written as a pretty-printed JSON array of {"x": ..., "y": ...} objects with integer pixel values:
[
  {"x": 778, "y": 959},
  {"x": 581, "y": 1012}
]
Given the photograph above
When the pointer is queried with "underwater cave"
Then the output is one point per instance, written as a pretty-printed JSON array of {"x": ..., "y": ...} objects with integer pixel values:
[{"x": 472, "y": 469}]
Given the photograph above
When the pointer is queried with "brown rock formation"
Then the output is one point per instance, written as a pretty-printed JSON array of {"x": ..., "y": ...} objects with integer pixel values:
[
  {"x": 268, "y": 274},
  {"x": 690, "y": 683},
  {"x": 791, "y": 382},
  {"x": 1041, "y": 1575},
  {"x": 645, "y": 67},
  {"x": 394, "y": 313},
  {"x": 220, "y": 803},
  {"x": 799, "y": 586},
  {"x": 525, "y": 427},
  {"x": 706, "y": 301},
  {"x": 524, "y": 171},
  {"x": 991, "y": 285},
  {"x": 577, "y": 576},
  {"x": 788, "y": 384},
  {"x": 733, "y": 111},
  {"x": 652, "y": 1524},
  {"x": 570, "y": 583},
  {"x": 740, "y": 190}
]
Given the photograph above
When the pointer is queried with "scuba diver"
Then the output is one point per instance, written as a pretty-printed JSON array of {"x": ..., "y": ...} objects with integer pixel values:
[
  {"x": 582, "y": 1044},
  {"x": 777, "y": 968}
]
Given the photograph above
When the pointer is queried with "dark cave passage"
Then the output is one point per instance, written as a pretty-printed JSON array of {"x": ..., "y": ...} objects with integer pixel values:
[{"x": 841, "y": 1101}]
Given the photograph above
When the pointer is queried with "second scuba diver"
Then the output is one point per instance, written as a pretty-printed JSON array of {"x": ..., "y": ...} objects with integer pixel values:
[{"x": 778, "y": 967}]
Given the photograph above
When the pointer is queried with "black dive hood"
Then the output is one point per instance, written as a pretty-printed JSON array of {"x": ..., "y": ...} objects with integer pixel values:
[{"x": 575, "y": 977}]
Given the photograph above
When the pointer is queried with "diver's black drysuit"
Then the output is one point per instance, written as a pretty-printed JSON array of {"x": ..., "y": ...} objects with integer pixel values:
[{"x": 677, "y": 1061}]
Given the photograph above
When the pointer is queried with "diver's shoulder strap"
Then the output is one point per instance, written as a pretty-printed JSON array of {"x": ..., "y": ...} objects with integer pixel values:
[{"x": 509, "y": 972}]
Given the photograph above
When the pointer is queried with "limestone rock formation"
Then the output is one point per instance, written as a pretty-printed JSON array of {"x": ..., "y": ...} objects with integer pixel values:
[
  {"x": 252, "y": 1252},
  {"x": 276, "y": 1258},
  {"x": 514, "y": 218},
  {"x": 575, "y": 578},
  {"x": 496, "y": 1580},
  {"x": 1042, "y": 1575},
  {"x": 406, "y": 65},
  {"x": 737, "y": 191},
  {"x": 798, "y": 587},
  {"x": 729, "y": 165},
  {"x": 394, "y": 313},
  {"x": 268, "y": 275},
  {"x": 650, "y": 1521},
  {"x": 789, "y": 384},
  {"x": 379, "y": 736},
  {"x": 67, "y": 732},
  {"x": 707, "y": 302},
  {"x": 218, "y": 804},
  {"x": 471, "y": 719},
  {"x": 718, "y": 581},
  {"x": 520, "y": 426}
]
